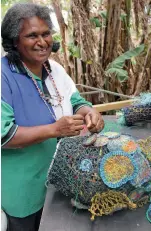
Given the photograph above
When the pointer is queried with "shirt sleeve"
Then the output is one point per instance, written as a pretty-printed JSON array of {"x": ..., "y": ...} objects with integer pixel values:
[
  {"x": 77, "y": 101},
  {"x": 8, "y": 126}
]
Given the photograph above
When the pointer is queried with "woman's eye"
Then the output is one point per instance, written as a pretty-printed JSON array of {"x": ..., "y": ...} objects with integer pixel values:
[
  {"x": 31, "y": 36},
  {"x": 46, "y": 34}
]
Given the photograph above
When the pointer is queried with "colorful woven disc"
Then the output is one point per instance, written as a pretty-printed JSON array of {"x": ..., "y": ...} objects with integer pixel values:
[
  {"x": 144, "y": 173},
  {"x": 116, "y": 168},
  {"x": 101, "y": 141},
  {"x": 111, "y": 135},
  {"x": 124, "y": 138},
  {"x": 90, "y": 140},
  {"x": 86, "y": 165},
  {"x": 117, "y": 143},
  {"x": 130, "y": 146},
  {"x": 145, "y": 146}
]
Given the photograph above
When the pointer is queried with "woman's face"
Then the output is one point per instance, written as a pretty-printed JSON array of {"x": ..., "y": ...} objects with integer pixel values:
[{"x": 35, "y": 41}]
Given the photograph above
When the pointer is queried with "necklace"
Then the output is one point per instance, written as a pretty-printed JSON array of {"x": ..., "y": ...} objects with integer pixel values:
[
  {"x": 60, "y": 98},
  {"x": 46, "y": 99}
]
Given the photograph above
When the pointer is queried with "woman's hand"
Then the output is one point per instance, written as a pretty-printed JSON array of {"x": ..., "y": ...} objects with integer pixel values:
[
  {"x": 92, "y": 118},
  {"x": 94, "y": 121},
  {"x": 69, "y": 125},
  {"x": 66, "y": 126}
]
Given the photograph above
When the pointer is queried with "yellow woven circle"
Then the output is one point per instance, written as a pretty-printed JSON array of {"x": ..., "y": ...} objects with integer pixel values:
[{"x": 117, "y": 167}]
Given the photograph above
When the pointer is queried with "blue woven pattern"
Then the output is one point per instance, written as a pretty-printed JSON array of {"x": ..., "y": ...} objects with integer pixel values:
[
  {"x": 144, "y": 173},
  {"x": 113, "y": 182}
]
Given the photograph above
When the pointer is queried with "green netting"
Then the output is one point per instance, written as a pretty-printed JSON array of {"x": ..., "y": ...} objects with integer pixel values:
[
  {"x": 80, "y": 171},
  {"x": 112, "y": 126}
]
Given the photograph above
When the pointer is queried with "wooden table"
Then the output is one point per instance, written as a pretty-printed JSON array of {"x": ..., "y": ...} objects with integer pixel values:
[{"x": 58, "y": 214}]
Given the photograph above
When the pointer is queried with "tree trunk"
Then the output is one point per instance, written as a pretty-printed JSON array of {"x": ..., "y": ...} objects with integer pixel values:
[
  {"x": 111, "y": 42},
  {"x": 63, "y": 30},
  {"x": 85, "y": 39},
  {"x": 144, "y": 71},
  {"x": 112, "y": 32},
  {"x": 125, "y": 25}
]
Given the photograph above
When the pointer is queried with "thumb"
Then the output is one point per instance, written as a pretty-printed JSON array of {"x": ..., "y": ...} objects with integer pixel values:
[{"x": 88, "y": 120}]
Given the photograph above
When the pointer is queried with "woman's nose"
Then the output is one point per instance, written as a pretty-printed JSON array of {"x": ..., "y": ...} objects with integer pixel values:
[{"x": 41, "y": 41}]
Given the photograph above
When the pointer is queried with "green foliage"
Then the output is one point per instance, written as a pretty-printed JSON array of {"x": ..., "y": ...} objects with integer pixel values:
[
  {"x": 119, "y": 61},
  {"x": 74, "y": 50},
  {"x": 123, "y": 17},
  {"x": 12, "y": 2},
  {"x": 128, "y": 4},
  {"x": 103, "y": 14},
  {"x": 99, "y": 1},
  {"x": 116, "y": 66},
  {"x": 6, "y": 4},
  {"x": 57, "y": 37},
  {"x": 96, "y": 21},
  {"x": 121, "y": 74}
]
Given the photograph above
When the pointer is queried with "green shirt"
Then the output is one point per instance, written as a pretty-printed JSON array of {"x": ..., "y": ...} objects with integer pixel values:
[
  {"x": 23, "y": 177},
  {"x": 24, "y": 170}
]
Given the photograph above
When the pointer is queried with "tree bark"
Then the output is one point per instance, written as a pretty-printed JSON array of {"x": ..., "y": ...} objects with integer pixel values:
[
  {"x": 141, "y": 76},
  {"x": 112, "y": 32},
  {"x": 63, "y": 30},
  {"x": 85, "y": 39}
]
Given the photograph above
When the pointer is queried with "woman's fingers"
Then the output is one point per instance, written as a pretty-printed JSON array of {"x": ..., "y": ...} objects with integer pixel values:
[
  {"x": 77, "y": 117},
  {"x": 100, "y": 125},
  {"x": 91, "y": 120},
  {"x": 70, "y": 125},
  {"x": 88, "y": 121},
  {"x": 79, "y": 128},
  {"x": 94, "y": 122},
  {"x": 79, "y": 122}
]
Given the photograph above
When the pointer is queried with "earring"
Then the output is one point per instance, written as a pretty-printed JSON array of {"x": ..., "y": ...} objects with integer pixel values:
[{"x": 55, "y": 46}]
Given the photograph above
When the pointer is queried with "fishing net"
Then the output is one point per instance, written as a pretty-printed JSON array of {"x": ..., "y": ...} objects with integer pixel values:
[
  {"x": 139, "y": 111},
  {"x": 103, "y": 172}
]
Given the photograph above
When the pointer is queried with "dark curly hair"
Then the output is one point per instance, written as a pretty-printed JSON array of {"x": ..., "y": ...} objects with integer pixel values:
[{"x": 13, "y": 21}]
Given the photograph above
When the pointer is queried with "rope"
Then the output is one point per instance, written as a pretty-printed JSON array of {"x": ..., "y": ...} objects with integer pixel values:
[{"x": 97, "y": 90}]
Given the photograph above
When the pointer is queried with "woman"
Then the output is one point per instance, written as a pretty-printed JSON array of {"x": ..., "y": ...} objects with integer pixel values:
[{"x": 39, "y": 103}]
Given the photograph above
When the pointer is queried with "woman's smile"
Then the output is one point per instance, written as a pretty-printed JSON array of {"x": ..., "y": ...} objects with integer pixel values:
[
  {"x": 35, "y": 41},
  {"x": 42, "y": 51}
]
